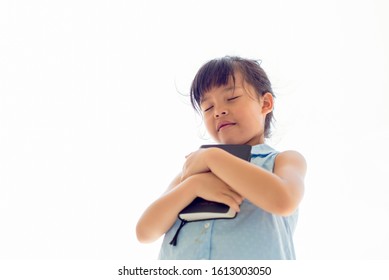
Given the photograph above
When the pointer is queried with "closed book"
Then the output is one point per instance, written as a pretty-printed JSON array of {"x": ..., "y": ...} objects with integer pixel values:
[{"x": 201, "y": 209}]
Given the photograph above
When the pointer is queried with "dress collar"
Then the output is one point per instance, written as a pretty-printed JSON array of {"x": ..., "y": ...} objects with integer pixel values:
[{"x": 261, "y": 150}]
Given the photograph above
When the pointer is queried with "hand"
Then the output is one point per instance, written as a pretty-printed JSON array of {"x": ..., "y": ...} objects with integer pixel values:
[
  {"x": 210, "y": 187},
  {"x": 196, "y": 162}
]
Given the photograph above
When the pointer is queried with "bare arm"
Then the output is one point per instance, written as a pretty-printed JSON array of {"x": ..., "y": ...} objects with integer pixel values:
[
  {"x": 162, "y": 214},
  {"x": 279, "y": 192}
]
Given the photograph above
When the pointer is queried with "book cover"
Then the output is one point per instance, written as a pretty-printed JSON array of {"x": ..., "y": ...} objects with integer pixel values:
[{"x": 201, "y": 209}]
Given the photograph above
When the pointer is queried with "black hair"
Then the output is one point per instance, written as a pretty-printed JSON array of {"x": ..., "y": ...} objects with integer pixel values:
[{"x": 217, "y": 72}]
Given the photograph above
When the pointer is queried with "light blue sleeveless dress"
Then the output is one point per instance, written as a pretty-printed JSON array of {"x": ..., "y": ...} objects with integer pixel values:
[{"x": 252, "y": 234}]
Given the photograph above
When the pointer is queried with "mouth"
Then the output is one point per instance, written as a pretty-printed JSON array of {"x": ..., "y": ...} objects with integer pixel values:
[{"x": 224, "y": 125}]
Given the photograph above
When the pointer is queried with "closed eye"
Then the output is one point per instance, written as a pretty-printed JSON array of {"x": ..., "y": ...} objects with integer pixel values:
[
  {"x": 207, "y": 109},
  {"x": 233, "y": 98}
]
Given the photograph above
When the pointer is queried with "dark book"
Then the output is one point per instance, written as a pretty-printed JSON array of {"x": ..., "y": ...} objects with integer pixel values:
[{"x": 201, "y": 209}]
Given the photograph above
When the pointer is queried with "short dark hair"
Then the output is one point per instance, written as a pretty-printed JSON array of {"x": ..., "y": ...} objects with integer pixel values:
[{"x": 217, "y": 72}]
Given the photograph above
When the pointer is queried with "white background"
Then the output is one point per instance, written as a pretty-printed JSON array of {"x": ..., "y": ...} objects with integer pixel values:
[{"x": 95, "y": 120}]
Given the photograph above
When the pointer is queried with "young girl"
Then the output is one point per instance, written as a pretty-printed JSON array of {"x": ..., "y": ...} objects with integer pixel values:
[{"x": 236, "y": 101}]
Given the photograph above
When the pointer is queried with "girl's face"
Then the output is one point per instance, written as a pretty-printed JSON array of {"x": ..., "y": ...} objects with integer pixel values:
[{"x": 235, "y": 114}]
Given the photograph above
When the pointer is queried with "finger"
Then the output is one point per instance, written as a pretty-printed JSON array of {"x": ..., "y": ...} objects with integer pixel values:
[{"x": 235, "y": 196}]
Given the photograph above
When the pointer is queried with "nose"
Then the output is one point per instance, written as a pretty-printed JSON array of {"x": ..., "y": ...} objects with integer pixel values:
[{"x": 221, "y": 113}]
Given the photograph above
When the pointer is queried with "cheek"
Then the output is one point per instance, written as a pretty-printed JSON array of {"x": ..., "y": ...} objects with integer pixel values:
[
  {"x": 252, "y": 119},
  {"x": 209, "y": 124}
]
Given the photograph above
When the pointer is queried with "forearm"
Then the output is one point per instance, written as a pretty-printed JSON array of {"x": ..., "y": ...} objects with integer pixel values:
[
  {"x": 259, "y": 186},
  {"x": 162, "y": 214}
]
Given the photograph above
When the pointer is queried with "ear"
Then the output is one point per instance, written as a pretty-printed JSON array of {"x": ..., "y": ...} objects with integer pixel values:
[{"x": 267, "y": 103}]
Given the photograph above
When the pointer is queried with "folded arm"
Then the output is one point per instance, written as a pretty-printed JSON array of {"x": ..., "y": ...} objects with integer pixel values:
[
  {"x": 279, "y": 192},
  {"x": 161, "y": 215}
]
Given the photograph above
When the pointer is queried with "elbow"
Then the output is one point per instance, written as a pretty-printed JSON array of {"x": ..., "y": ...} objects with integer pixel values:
[
  {"x": 287, "y": 202},
  {"x": 140, "y": 234},
  {"x": 286, "y": 206},
  {"x": 279, "y": 207},
  {"x": 285, "y": 210},
  {"x": 143, "y": 235}
]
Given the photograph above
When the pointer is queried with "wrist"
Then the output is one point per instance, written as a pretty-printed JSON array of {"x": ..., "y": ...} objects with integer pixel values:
[{"x": 212, "y": 156}]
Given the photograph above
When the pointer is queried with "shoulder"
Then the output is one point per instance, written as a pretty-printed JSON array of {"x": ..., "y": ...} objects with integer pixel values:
[
  {"x": 291, "y": 159},
  {"x": 290, "y": 154}
]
